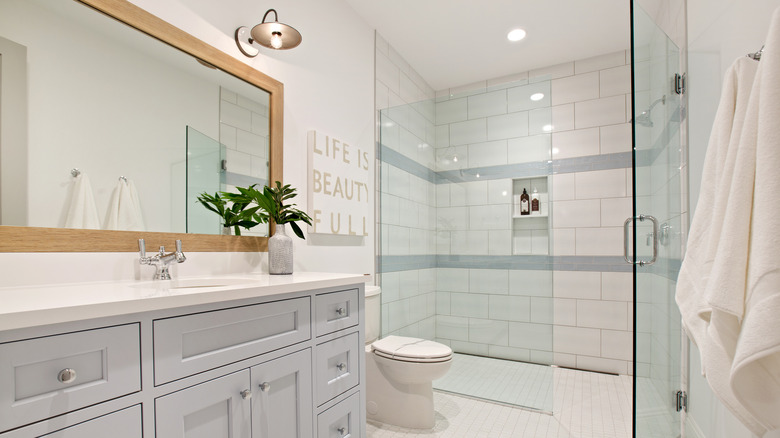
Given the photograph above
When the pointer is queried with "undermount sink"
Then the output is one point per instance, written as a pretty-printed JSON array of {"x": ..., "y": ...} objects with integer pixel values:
[{"x": 191, "y": 283}]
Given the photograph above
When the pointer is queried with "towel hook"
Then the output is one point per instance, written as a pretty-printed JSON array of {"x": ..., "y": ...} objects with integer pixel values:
[
  {"x": 75, "y": 172},
  {"x": 122, "y": 178},
  {"x": 757, "y": 55}
]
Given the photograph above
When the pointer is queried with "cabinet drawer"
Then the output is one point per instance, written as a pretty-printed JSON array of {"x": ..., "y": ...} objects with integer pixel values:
[
  {"x": 337, "y": 367},
  {"x": 34, "y": 383},
  {"x": 121, "y": 424},
  {"x": 336, "y": 311},
  {"x": 190, "y": 344},
  {"x": 342, "y": 420}
]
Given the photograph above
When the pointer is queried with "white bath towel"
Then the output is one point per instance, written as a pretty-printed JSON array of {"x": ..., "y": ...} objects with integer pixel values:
[
  {"x": 136, "y": 204},
  {"x": 755, "y": 373},
  {"x": 82, "y": 212},
  {"x": 123, "y": 211},
  {"x": 713, "y": 289}
]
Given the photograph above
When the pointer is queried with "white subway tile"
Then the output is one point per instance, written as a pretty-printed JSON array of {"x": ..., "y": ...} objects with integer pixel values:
[
  {"x": 452, "y": 218},
  {"x": 259, "y": 167},
  {"x": 577, "y": 340},
  {"x": 408, "y": 90},
  {"x": 577, "y": 143},
  {"x": 528, "y": 149},
  {"x": 600, "y": 62},
  {"x": 531, "y": 283},
  {"x": 540, "y": 121},
  {"x": 472, "y": 131},
  {"x": 575, "y": 88},
  {"x": 564, "y": 242},
  {"x": 563, "y": 187},
  {"x": 542, "y": 357},
  {"x": 452, "y": 327},
  {"x": 398, "y": 182},
  {"x": 510, "y": 353},
  {"x": 617, "y": 344},
  {"x": 521, "y": 242},
  {"x": 540, "y": 242},
  {"x": 563, "y": 117},
  {"x": 476, "y": 192},
  {"x": 452, "y": 158},
  {"x": 391, "y": 210},
  {"x": 519, "y": 98},
  {"x": 442, "y": 195},
  {"x": 227, "y": 135},
  {"x": 577, "y": 284},
  {"x": 599, "y": 112},
  {"x": 452, "y": 279},
  {"x": 491, "y": 153},
  {"x": 565, "y": 360},
  {"x": 603, "y": 365},
  {"x": 391, "y": 286},
  {"x": 508, "y": 81},
  {"x": 470, "y": 305},
  {"x": 398, "y": 240},
  {"x": 418, "y": 241},
  {"x": 487, "y": 331},
  {"x": 490, "y": 217},
  {"x": 531, "y": 336},
  {"x": 442, "y": 95},
  {"x": 489, "y": 281},
  {"x": 227, "y": 95},
  {"x": 572, "y": 214},
  {"x": 510, "y": 308},
  {"x": 442, "y": 136},
  {"x": 458, "y": 194},
  {"x": 455, "y": 110},
  {"x": 616, "y": 138},
  {"x": 500, "y": 242},
  {"x": 615, "y": 81},
  {"x": 499, "y": 191},
  {"x": 260, "y": 125},
  {"x": 468, "y": 89},
  {"x": 617, "y": 286},
  {"x": 409, "y": 284},
  {"x": 542, "y": 310},
  {"x": 614, "y": 211},
  {"x": 238, "y": 162},
  {"x": 443, "y": 242},
  {"x": 565, "y": 311},
  {"x": 600, "y": 241},
  {"x": 486, "y": 105},
  {"x": 469, "y": 242},
  {"x": 234, "y": 115},
  {"x": 398, "y": 315},
  {"x": 611, "y": 315},
  {"x": 552, "y": 72},
  {"x": 250, "y": 143},
  {"x": 601, "y": 184},
  {"x": 507, "y": 126},
  {"x": 475, "y": 348},
  {"x": 442, "y": 302}
]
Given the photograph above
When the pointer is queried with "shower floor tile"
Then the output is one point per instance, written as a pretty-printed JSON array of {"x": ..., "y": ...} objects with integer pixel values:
[{"x": 585, "y": 405}]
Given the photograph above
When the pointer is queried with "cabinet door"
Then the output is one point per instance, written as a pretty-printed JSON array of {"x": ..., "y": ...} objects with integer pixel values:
[
  {"x": 121, "y": 424},
  {"x": 214, "y": 409},
  {"x": 282, "y": 397}
]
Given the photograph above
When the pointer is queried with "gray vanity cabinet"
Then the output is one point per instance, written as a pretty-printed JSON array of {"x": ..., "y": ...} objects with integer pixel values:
[
  {"x": 281, "y": 397},
  {"x": 218, "y": 408},
  {"x": 121, "y": 424}
]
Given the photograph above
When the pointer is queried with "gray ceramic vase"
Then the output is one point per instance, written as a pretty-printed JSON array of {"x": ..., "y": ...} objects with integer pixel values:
[{"x": 280, "y": 252}]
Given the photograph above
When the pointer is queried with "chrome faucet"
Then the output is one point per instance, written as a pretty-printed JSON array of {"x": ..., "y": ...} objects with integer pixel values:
[{"x": 161, "y": 260}]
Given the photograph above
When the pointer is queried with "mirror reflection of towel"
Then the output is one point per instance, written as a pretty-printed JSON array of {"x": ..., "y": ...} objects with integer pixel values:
[
  {"x": 82, "y": 212},
  {"x": 124, "y": 211}
]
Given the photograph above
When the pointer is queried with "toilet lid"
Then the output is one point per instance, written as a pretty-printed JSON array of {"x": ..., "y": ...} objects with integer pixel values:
[{"x": 412, "y": 349}]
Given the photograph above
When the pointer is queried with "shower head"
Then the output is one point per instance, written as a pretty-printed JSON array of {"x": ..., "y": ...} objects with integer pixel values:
[{"x": 645, "y": 119}]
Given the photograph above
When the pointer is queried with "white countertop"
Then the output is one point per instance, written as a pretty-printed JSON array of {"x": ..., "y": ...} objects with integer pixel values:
[{"x": 31, "y": 306}]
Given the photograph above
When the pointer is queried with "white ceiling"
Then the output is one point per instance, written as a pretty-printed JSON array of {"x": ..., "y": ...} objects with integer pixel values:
[{"x": 458, "y": 42}]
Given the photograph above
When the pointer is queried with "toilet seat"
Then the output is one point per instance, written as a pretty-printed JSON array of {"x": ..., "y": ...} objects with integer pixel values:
[{"x": 407, "y": 349}]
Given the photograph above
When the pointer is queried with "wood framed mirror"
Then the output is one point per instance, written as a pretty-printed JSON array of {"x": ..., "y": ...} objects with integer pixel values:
[{"x": 43, "y": 239}]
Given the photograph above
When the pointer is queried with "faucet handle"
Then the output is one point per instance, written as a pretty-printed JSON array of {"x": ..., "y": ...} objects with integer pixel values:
[
  {"x": 142, "y": 247},
  {"x": 178, "y": 245},
  {"x": 180, "y": 257}
]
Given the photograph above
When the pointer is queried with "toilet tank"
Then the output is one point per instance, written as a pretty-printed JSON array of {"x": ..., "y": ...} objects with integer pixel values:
[{"x": 373, "y": 312}]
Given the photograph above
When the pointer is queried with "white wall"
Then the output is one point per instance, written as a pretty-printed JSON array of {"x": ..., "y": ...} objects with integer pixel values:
[{"x": 719, "y": 31}]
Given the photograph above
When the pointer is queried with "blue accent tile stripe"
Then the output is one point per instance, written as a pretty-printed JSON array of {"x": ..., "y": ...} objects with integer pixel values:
[
  {"x": 516, "y": 262},
  {"x": 239, "y": 180},
  {"x": 397, "y": 159}
]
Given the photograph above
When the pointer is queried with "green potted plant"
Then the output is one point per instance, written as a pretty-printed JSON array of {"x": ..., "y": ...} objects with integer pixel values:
[
  {"x": 236, "y": 215},
  {"x": 271, "y": 201}
]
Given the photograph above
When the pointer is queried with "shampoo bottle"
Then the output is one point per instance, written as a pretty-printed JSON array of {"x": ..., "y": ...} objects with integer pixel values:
[
  {"x": 524, "y": 204},
  {"x": 535, "y": 204}
]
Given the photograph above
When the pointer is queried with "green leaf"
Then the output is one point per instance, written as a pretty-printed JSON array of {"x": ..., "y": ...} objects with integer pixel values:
[{"x": 297, "y": 230}]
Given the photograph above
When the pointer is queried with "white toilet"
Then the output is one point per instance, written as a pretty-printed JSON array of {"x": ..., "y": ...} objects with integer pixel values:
[{"x": 400, "y": 372}]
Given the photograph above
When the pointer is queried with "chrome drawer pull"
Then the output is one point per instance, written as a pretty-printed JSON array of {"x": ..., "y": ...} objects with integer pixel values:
[
  {"x": 246, "y": 394},
  {"x": 341, "y": 366},
  {"x": 265, "y": 387},
  {"x": 340, "y": 311},
  {"x": 67, "y": 375}
]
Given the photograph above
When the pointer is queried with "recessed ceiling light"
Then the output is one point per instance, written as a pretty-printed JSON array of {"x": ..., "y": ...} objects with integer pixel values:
[
  {"x": 537, "y": 96},
  {"x": 515, "y": 35}
]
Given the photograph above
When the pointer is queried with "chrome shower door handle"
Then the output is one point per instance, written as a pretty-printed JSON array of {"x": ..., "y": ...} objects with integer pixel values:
[{"x": 642, "y": 218}]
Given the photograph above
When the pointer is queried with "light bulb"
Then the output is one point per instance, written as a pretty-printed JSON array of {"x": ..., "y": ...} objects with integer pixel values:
[{"x": 276, "y": 40}]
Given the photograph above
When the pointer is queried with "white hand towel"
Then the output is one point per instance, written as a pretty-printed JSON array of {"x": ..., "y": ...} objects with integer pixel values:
[
  {"x": 122, "y": 214},
  {"x": 136, "y": 205},
  {"x": 82, "y": 212},
  {"x": 755, "y": 374}
]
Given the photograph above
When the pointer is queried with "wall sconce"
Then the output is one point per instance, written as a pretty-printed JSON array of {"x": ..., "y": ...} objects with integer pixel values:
[{"x": 273, "y": 34}]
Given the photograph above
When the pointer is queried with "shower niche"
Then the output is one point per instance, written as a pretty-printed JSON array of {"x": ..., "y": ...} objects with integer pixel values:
[{"x": 531, "y": 232}]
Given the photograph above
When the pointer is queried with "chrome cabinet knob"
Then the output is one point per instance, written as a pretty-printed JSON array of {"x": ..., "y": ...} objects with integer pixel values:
[
  {"x": 341, "y": 366},
  {"x": 246, "y": 394},
  {"x": 340, "y": 311},
  {"x": 265, "y": 387},
  {"x": 341, "y": 430},
  {"x": 67, "y": 375}
]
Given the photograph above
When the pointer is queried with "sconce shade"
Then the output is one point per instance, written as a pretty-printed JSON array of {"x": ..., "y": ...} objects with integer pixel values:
[{"x": 272, "y": 34}]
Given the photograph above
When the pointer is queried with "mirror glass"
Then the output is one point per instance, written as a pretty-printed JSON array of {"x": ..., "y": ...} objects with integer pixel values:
[{"x": 147, "y": 126}]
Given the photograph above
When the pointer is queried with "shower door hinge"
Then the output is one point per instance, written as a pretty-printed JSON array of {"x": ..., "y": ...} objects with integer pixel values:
[
  {"x": 679, "y": 83},
  {"x": 223, "y": 164},
  {"x": 682, "y": 401}
]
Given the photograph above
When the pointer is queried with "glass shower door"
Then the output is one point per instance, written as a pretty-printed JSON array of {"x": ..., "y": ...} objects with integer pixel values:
[
  {"x": 658, "y": 220},
  {"x": 204, "y": 174}
]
